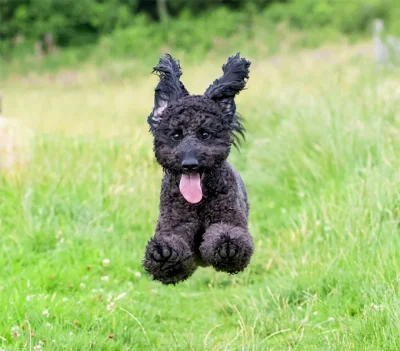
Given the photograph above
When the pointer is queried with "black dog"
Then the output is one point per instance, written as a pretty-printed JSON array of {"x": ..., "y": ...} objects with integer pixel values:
[{"x": 203, "y": 205}]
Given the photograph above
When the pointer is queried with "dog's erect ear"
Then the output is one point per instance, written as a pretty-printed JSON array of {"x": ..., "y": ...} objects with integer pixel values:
[
  {"x": 168, "y": 90},
  {"x": 223, "y": 90}
]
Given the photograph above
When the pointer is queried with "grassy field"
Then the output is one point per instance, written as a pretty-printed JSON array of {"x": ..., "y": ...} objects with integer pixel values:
[{"x": 321, "y": 164}]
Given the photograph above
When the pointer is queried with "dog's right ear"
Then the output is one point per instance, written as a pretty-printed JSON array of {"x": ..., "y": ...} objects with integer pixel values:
[{"x": 168, "y": 90}]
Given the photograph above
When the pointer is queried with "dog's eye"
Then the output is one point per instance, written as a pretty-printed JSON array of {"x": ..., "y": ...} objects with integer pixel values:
[
  {"x": 205, "y": 135},
  {"x": 176, "y": 136}
]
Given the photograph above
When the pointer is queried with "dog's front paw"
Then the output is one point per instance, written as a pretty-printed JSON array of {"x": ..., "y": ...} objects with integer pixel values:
[
  {"x": 169, "y": 259},
  {"x": 227, "y": 248}
]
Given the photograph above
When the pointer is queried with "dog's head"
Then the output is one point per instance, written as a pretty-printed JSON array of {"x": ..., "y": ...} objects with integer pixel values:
[{"x": 193, "y": 134}]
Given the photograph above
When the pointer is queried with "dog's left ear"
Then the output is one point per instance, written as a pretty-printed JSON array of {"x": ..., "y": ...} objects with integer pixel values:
[
  {"x": 223, "y": 90},
  {"x": 168, "y": 90}
]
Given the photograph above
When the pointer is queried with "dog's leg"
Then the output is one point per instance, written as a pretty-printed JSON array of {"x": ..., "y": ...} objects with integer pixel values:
[
  {"x": 169, "y": 256},
  {"x": 227, "y": 248}
]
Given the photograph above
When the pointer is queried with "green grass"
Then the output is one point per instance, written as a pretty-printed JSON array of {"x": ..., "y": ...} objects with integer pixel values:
[{"x": 321, "y": 164}]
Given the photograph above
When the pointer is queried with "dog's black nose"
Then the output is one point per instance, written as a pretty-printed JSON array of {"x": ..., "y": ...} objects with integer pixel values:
[{"x": 190, "y": 164}]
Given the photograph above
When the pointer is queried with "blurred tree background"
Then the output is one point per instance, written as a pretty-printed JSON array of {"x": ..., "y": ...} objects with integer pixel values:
[{"x": 139, "y": 27}]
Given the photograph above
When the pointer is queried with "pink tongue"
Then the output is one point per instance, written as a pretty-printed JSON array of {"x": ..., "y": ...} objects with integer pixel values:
[{"x": 190, "y": 187}]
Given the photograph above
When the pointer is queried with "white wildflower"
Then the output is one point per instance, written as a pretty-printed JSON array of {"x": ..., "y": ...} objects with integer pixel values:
[
  {"x": 120, "y": 296},
  {"x": 376, "y": 307},
  {"x": 111, "y": 306}
]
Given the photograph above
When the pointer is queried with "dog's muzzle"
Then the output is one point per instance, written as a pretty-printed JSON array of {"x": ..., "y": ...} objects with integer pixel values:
[{"x": 190, "y": 165}]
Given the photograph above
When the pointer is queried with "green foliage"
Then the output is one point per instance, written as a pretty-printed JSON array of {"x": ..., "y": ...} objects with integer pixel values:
[
  {"x": 321, "y": 164},
  {"x": 347, "y": 17},
  {"x": 82, "y": 22},
  {"x": 185, "y": 34},
  {"x": 109, "y": 29},
  {"x": 70, "y": 22}
]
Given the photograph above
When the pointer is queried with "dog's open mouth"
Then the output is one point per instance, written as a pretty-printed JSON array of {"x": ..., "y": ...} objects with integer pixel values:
[{"x": 190, "y": 187}]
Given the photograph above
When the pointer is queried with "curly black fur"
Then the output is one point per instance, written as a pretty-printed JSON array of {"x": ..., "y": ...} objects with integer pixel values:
[
  {"x": 198, "y": 131},
  {"x": 224, "y": 89},
  {"x": 169, "y": 88}
]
